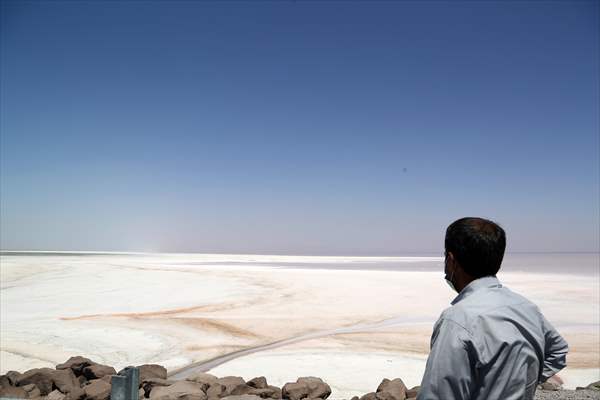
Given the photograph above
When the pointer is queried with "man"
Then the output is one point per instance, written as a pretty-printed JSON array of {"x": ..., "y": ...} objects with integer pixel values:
[{"x": 492, "y": 343}]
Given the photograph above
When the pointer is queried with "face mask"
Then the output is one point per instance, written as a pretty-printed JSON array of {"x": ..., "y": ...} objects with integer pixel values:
[
  {"x": 450, "y": 283},
  {"x": 449, "y": 279}
]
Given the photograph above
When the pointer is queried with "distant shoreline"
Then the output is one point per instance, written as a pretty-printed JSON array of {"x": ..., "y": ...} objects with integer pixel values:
[
  {"x": 407, "y": 254},
  {"x": 569, "y": 263}
]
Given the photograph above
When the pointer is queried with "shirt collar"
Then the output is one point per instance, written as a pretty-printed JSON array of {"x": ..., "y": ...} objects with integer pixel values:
[{"x": 485, "y": 282}]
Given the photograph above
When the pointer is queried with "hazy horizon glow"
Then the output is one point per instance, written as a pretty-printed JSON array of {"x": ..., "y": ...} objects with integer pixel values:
[{"x": 297, "y": 127}]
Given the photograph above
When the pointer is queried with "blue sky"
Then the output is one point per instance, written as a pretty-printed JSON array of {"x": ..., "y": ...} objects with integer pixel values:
[{"x": 298, "y": 127}]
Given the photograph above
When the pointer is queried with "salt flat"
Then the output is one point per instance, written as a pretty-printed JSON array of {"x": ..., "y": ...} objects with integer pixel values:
[{"x": 179, "y": 309}]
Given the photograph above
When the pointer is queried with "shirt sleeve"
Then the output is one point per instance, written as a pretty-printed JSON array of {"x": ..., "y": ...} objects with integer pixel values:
[
  {"x": 450, "y": 370},
  {"x": 555, "y": 351}
]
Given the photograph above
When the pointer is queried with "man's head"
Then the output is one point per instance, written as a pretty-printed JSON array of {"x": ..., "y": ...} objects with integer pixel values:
[{"x": 474, "y": 249}]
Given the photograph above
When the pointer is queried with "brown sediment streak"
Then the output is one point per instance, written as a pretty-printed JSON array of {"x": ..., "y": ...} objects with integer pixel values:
[
  {"x": 172, "y": 316},
  {"x": 205, "y": 323},
  {"x": 161, "y": 313}
]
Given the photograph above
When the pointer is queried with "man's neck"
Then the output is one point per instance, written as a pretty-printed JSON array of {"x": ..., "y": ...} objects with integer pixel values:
[{"x": 463, "y": 281}]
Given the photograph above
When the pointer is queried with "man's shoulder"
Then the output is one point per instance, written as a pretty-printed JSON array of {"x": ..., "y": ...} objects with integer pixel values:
[{"x": 483, "y": 304}]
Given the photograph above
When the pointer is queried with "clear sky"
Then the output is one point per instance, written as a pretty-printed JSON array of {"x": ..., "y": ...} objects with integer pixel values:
[{"x": 298, "y": 127}]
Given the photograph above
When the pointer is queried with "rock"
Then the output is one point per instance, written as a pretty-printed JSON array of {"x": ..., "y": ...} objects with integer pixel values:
[
  {"x": 76, "y": 364},
  {"x": 202, "y": 377},
  {"x": 258, "y": 382},
  {"x": 242, "y": 397},
  {"x": 43, "y": 378},
  {"x": 32, "y": 391},
  {"x": 181, "y": 390},
  {"x": 354, "y": 398},
  {"x": 216, "y": 391},
  {"x": 412, "y": 392},
  {"x": 294, "y": 391},
  {"x": 29, "y": 388},
  {"x": 276, "y": 392},
  {"x": 267, "y": 393},
  {"x": 56, "y": 395},
  {"x": 68, "y": 384},
  {"x": 316, "y": 387},
  {"x": 14, "y": 392},
  {"x": 152, "y": 382},
  {"x": 594, "y": 386},
  {"x": 97, "y": 371},
  {"x": 148, "y": 371},
  {"x": 76, "y": 394},
  {"x": 232, "y": 383},
  {"x": 369, "y": 396},
  {"x": 5, "y": 381},
  {"x": 12, "y": 377},
  {"x": 550, "y": 385},
  {"x": 46, "y": 379},
  {"x": 97, "y": 390},
  {"x": 391, "y": 390},
  {"x": 241, "y": 389},
  {"x": 553, "y": 383}
]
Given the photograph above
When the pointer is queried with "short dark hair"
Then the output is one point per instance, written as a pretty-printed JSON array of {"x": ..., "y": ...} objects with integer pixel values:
[{"x": 477, "y": 244}]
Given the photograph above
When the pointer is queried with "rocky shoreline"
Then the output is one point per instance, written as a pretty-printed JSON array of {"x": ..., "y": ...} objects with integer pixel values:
[{"x": 80, "y": 378}]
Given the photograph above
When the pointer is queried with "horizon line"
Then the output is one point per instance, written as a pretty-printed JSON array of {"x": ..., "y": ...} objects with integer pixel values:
[{"x": 403, "y": 254}]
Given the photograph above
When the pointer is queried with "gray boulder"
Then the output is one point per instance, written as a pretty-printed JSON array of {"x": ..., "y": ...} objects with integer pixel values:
[{"x": 181, "y": 390}]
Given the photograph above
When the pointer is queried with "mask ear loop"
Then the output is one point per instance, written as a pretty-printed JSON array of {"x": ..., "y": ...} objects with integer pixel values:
[
  {"x": 446, "y": 264},
  {"x": 449, "y": 279},
  {"x": 451, "y": 276}
]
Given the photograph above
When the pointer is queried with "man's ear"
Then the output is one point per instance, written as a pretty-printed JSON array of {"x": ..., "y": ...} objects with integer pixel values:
[
  {"x": 451, "y": 257},
  {"x": 452, "y": 260}
]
